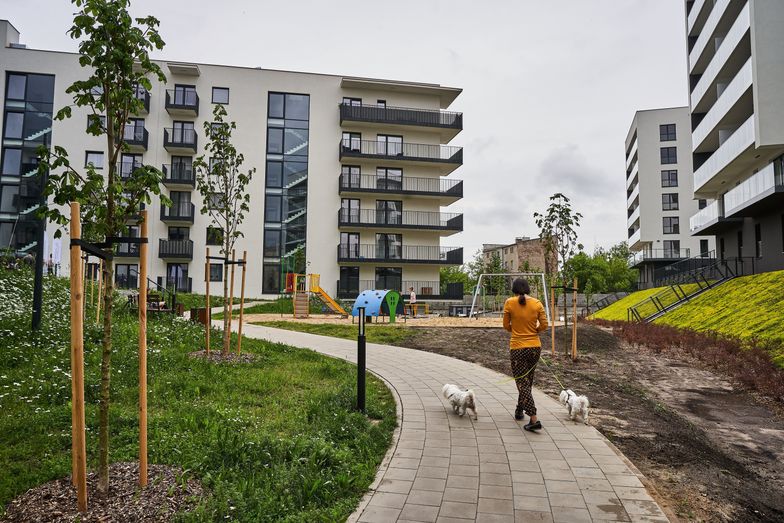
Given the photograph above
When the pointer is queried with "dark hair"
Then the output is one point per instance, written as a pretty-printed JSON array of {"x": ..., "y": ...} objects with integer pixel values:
[{"x": 521, "y": 288}]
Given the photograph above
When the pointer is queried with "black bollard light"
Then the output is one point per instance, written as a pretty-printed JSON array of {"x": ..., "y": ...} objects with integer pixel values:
[{"x": 361, "y": 361}]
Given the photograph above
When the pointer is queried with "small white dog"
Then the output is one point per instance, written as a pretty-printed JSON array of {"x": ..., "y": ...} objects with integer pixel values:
[
  {"x": 576, "y": 405},
  {"x": 461, "y": 400}
]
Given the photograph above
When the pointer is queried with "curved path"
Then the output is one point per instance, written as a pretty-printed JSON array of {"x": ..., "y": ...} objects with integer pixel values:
[{"x": 445, "y": 468}]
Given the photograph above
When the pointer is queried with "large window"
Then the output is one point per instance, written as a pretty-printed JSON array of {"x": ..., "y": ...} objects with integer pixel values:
[
  {"x": 672, "y": 248},
  {"x": 349, "y": 210},
  {"x": 183, "y": 132},
  {"x": 355, "y": 102},
  {"x": 349, "y": 281},
  {"x": 389, "y": 145},
  {"x": 272, "y": 243},
  {"x": 9, "y": 196},
  {"x": 126, "y": 276},
  {"x": 14, "y": 125},
  {"x": 389, "y": 212},
  {"x": 181, "y": 203},
  {"x": 389, "y": 246},
  {"x": 703, "y": 247},
  {"x": 352, "y": 142},
  {"x": 667, "y": 132},
  {"x": 216, "y": 272},
  {"x": 177, "y": 277},
  {"x": 349, "y": 245},
  {"x": 271, "y": 282},
  {"x": 185, "y": 95},
  {"x": 671, "y": 225},
  {"x": 12, "y": 161},
  {"x": 15, "y": 89},
  {"x": 669, "y": 178},
  {"x": 129, "y": 163},
  {"x": 669, "y": 155},
  {"x": 272, "y": 208},
  {"x": 220, "y": 95},
  {"x": 389, "y": 278},
  {"x": 350, "y": 176},
  {"x": 179, "y": 233},
  {"x": 670, "y": 201},
  {"x": 214, "y": 236},
  {"x": 134, "y": 130},
  {"x": 389, "y": 179},
  {"x": 95, "y": 158}
]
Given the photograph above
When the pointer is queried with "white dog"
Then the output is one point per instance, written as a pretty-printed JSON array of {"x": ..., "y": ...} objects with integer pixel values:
[
  {"x": 576, "y": 405},
  {"x": 461, "y": 400}
]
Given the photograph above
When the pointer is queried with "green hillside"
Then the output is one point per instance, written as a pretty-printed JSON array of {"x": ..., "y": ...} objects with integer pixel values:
[{"x": 617, "y": 311}]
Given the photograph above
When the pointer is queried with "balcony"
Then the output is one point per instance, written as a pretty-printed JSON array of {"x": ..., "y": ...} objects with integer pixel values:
[
  {"x": 631, "y": 158},
  {"x": 711, "y": 220},
  {"x": 144, "y": 95},
  {"x": 425, "y": 290},
  {"x": 135, "y": 137},
  {"x": 178, "y": 214},
  {"x": 444, "y": 188},
  {"x": 403, "y": 116},
  {"x": 178, "y": 176},
  {"x": 634, "y": 238},
  {"x": 126, "y": 250},
  {"x": 180, "y": 141},
  {"x": 447, "y": 156},
  {"x": 175, "y": 249},
  {"x": 695, "y": 14},
  {"x": 658, "y": 255},
  {"x": 633, "y": 216},
  {"x": 633, "y": 196},
  {"x": 706, "y": 36},
  {"x": 419, "y": 220},
  {"x": 360, "y": 253},
  {"x": 762, "y": 192},
  {"x": 632, "y": 176},
  {"x": 182, "y": 103},
  {"x": 741, "y": 141}
]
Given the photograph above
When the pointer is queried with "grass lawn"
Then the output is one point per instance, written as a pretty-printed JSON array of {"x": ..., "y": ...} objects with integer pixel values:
[
  {"x": 191, "y": 300},
  {"x": 386, "y": 334},
  {"x": 617, "y": 310},
  {"x": 275, "y": 440}
]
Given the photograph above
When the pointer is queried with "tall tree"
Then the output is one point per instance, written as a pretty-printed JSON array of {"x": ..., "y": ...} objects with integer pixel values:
[
  {"x": 223, "y": 187},
  {"x": 558, "y": 229},
  {"x": 114, "y": 48}
]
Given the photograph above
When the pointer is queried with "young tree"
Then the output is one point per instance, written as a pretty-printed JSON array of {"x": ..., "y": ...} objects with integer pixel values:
[
  {"x": 558, "y": 229},
  {"x": 115, "y": 49},
  {"x": 223, "y": 187}
]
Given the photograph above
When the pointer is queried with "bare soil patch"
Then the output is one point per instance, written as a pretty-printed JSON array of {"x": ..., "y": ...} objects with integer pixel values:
[
  {"x": 713, "y": 451},
  {"x": 166, "y": 494},
  {"x": 216, "y": 356}
]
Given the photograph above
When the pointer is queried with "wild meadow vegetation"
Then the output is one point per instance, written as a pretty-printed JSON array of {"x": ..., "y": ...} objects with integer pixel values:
[
  {"x": 385, "y": 334},
  {"x": 274, "y": 440}
]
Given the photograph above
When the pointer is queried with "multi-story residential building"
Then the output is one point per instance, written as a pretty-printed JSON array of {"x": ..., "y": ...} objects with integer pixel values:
[
  {"x": 659, "y": 195},
  {"x": 736, "y": 81},
  {"x": 524, "y": 255},
  {"x": 350, "y": 183}
]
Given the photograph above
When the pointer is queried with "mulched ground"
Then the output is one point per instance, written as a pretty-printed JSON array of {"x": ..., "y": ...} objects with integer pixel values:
[
  {"x": 671, "y": 418},
  {"x": 167, "y": 493},
  {"x": 215, "y": 356}
]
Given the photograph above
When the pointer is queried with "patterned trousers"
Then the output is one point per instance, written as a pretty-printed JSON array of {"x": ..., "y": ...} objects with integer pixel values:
[{"x": 523, "y": 367}]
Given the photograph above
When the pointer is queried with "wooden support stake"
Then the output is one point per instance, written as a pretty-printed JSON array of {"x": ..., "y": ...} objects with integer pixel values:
[
  {"x": 242, "y": 301},
  {"x": 143, "y": 354},
  {"x": 100, "y": 292},
  {"x": 207, "y": 300},
  {"x": 553, "y": 306},
  {"x": 78, "y": 446},
  {"x": 92, "y": 282},
  {"x": 231, "y": 294},
  {"x": 574, "y": 320},
  {"x": 83, "y": 277}
]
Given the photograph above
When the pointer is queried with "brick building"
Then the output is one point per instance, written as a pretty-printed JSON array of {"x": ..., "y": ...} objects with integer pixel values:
[{"x": 524, "y": 255}]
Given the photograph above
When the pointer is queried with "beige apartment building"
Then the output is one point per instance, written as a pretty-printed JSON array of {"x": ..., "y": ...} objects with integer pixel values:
[
  {"x": 353, "y": 177},
  {"x": 524, "y": 255}
]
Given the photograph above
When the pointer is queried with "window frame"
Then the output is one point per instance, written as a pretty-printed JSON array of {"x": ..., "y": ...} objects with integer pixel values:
[
  {"x": 228, "y": 95},
  {"x": 671, "y": 225},
  {"x": 87, "y": 158},
  {"x": 668, "y": 132},
  {"x": 668, "y": 155},
  {"x": 669, "y": 173},
  {"x": 670, "y": 201}
]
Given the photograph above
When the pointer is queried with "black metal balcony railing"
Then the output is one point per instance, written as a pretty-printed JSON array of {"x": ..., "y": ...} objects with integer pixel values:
[
  {"x": 349, "y": 289},
  {"x": 401, "y": 116},
  {"x": 402, "y": 185},
  {"x": 402, "y": 253},
  {"x": 182, "y": 100},
  {"x": 658, "y": 254},
  {"x": 144, "y": 95},
  {"x": 402, "y": 219},
  {"x": 180, "y": 138},
  {"x": 136, "y": 136},
  {"x": 183, "y": 212},
  {"x": 401, "y": 151},
  {"x": 127, "y": 250},
  {"x": 178, "y": 174},
  {"x": 175, "y": 249}
]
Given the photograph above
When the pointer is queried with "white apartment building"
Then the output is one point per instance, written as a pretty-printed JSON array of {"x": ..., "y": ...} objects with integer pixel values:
[
  {"x": 352, "y": 173},
  {"x": 736, "y": 80},
  {"x": 659, "y": 194}
]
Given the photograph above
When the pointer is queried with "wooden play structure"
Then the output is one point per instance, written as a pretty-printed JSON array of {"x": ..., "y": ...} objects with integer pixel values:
[{"x": 301, "y": 286}]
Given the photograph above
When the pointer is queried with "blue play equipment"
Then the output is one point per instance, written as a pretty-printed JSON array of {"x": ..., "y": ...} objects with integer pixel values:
[{"x": 379, "y": 303}]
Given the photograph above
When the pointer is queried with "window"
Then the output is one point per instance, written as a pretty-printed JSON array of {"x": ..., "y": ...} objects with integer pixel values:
[
  {"x": 702, "y": 204},
  {"x": 276, "y": 105},
  {"x": 389, "y": 246},
  {"x": 349, "y": 245},
  {"x": 129, "y": 163},
  {"x": 9, "y": 195},
  {"x": 389, "y": 212},
  {"x": 134, "y": 130},
  {"x": 215, "y": 129},
  {"x": 671, "y": 225},
  {"x": 275, "y": 174},
  {"x": 758, "y": 240},
  {"x": 126, "y": 276},
  {"x": 179, "y": 233},
  {"x": 669, "y": 155},
  {"x": 185, "y": 95},
  {"x": 183, "y": 132},
  {"x": 12, "y": 161},
  {"x": 704, "y": 248},
  {"x": 669, "y": 178},
  {"x": 272, "y": 208},
  {"x": 220, "y": 95},
  {"x": 352, "y": 142},
  {"x": 271, "y": 283},
  {"x": 214, "y": 236},
  {"x": 15, "y": 89},
  {"x": 274, "y": 140},
  {"x": 181, "y": 168},
  {"x": 354, "y": 102},
  {"x": 350, "y": 176},
  {"x": 14, "y": 125},
  {"x": 389, "y": 145},
  {"x": 96, "y": 118},
  {"x": 670, "y": 201},
  {"x": 349, "y": 281},
  {"x": 216, "y": 272},
  {"x": 349, "y": 210},
  {"x": 672, "y": 248},
  {"x": 95, "y": 158},
  {"x": 181, "y": 203},
  {"x": 177, "y": 276},
  {"x": 390, "y": 278},
  {"x": 297, "y": 107},
  {"x": 389, "y": 179},
  {"x": 272, "y": 243},
  {"x": 381, "y": 103},
  {"x": 667, "y": 132}
]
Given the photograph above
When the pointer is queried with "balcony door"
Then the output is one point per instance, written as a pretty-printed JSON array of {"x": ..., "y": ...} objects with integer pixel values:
[
  {"x": 184, "y": 95},
  {"x": 181, "y": 167},
  {"x": 134, "y": 130},
  {"x": 352, "y": 142},
  {"x": 129, "y": 163},
  {"x": 349, "y": 245},
  {"x": 389, "y": 278},
  {"x": 389, "y": 246},
  {"x": 349, "y": 280},
  {"x": 349, "y": 210},
  {"x": 183, "y": 132},
  {"x": 181, "y": 203},
  {"x": 179, "y": 233},
  {"x": 353, "y": 102},
  {"x": 389, "y": 145},
  {"x": 350, "y": 177},
  {"x": 389, "y": 179},
  {"x": 389, "y": 212},
  {"x": 177, "y": 277}
]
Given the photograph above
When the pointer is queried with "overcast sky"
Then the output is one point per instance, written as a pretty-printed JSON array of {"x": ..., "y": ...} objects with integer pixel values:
[{"x": 549, "y": 87}]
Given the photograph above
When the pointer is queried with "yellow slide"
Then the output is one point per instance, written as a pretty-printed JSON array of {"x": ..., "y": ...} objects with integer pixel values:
[{"x": 327, "y": 299}]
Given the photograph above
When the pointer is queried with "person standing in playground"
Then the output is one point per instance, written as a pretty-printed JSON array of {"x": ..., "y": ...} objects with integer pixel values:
[
  {"x": 524, "y": 318},
  {"x": 412, "y": 301}
]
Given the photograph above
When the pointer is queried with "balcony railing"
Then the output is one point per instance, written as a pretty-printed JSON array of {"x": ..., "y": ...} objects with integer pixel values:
[
  {"x": 728, "y": 99},
  {"x": 182, "y": 101},
  {"x": 144, "y": 95},
  {"x": 402, "y": 219},
  {"x": 401, "y": 151},
  {"x": 633, "y": 216},
  {"x": 401, "y": 116},
  {"x": 423, "y": 289},
  {"x": 658, "y": 254},
  {"x": 400, "y": 253},
  {"x": 175, "y": 249},
  {"x": 178, "y": 174},
  {"x": 635, "y": 237},
  {"x": 710, "y": 213},
  {"x": 734, "y": 146},
  {"x": 180, "y": 139},
  {"x": 183, "y": 212},
  {"x": 403, "y": 185},
  {"x": 127, "y": 250},
  {"x": 760, "y": 185},
  {"x": 706, "y": 34},
  {"x": 135, "y": 136}
]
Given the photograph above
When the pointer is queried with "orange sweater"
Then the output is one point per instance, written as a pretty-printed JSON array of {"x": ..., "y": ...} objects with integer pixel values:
[{"x": 525, "y": 322}]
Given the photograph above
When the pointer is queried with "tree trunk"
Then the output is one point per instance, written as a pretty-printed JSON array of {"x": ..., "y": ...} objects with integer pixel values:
[
  {"x": 226, "y": 317},
  {"x": 106, "y": 359}
]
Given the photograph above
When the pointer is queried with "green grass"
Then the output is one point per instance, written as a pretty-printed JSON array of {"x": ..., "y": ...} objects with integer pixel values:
[
  {"x": 617, "y": 310},
  {"x": 384, "y": 334},
  {"x": 749, "y": 307},
  {"x": 191, "y": 300},
  {"x": 275, "y": 440}
]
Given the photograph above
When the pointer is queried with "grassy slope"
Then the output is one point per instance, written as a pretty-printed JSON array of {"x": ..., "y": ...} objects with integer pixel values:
[
  {"x": 617, "y": 310},
  {"x": 747, "y": 307},
  {"x": 386, "y": 334},
  {"x": 272, "y": 441}
]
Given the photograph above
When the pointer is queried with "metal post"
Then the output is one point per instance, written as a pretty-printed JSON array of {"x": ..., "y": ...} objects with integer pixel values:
[
  {"x": 38, "y": 291},
  {"x": 361, "y": 361}
]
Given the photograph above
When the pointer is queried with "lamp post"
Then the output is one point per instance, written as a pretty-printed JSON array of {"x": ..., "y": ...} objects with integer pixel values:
[{"x": 361, "y": 361}]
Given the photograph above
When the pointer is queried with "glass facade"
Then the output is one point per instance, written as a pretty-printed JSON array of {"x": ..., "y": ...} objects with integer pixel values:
[{"x": 286, "y": 188}]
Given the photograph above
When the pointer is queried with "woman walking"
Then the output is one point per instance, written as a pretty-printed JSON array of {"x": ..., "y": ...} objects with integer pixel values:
[{"x": 525, "y": 318}]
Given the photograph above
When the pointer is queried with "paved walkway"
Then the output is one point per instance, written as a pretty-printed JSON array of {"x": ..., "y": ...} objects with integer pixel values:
[{"x": 444, "y": 468}]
